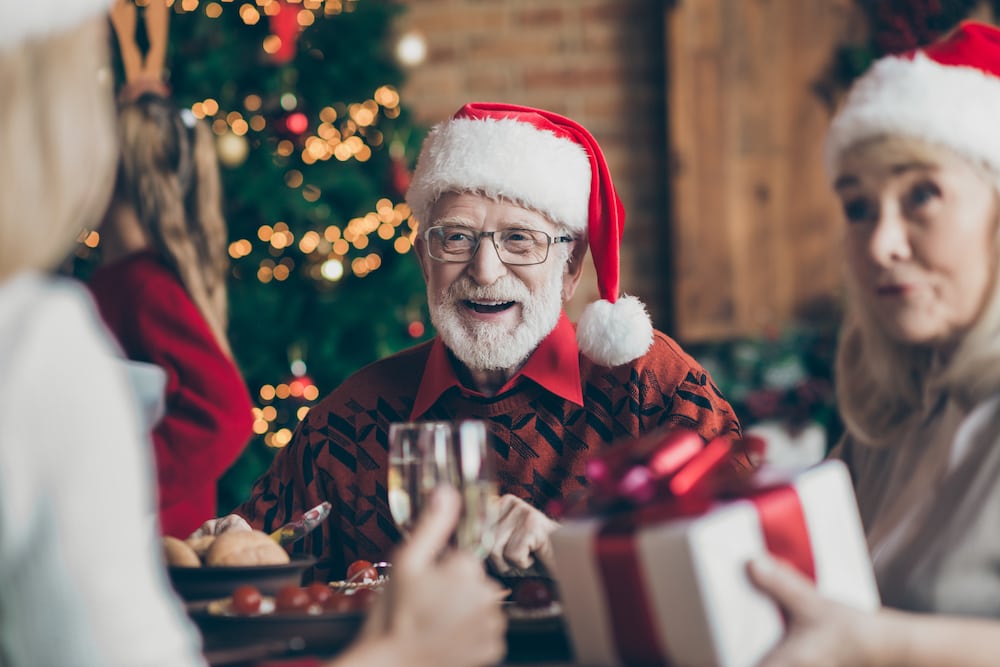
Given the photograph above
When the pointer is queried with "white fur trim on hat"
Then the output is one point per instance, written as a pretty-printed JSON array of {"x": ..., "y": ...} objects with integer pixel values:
[
  {"x": 613, "y": 334},
  {"x": 949, "y": 105},
  {"x": 503, "y": 158},
  {"x": 41, "y": 18}
]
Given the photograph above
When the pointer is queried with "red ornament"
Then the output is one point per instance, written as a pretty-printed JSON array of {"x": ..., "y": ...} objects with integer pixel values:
[
  {"x": 296, "y": 123},
  {"x": 285, "y": 25},
  {"x": 415, "y": 329},
  {"x": 298, "y": 386},
  {"x": 399, "y": 176}
]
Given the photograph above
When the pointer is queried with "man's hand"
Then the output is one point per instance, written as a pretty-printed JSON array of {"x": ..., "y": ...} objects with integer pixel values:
[
  {"x": 221, "y": 525},
  {"x": 521, "y": 535}
]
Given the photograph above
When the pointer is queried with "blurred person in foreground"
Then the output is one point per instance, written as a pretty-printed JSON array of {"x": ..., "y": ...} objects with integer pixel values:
[
  {"x": 79, "y": 553},
  {"x": 81, "y": 574},
  {"x": 914, "y": 156},
  {"x": 161, "y": 286},
  {"x": 508, "y": 199}
]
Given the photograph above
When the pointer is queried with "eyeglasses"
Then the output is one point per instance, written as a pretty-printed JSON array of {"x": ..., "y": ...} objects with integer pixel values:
[{"x": 517, "y": 247}]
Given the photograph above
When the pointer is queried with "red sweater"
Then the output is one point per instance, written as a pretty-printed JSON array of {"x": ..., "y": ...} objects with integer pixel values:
[
  {"x": 559, "y": 410},
  {"x": 208, "y": 416}
]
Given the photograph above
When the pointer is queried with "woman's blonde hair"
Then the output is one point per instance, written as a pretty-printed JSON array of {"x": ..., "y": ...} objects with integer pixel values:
[
  {"x": 170, "y": 175},
  {"x": 58, "y": 138},
  {"x": 881, "y": 383}
]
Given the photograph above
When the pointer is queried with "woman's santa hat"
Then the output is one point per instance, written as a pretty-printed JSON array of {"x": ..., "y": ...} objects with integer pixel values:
[
  {"x": 947, "y": 93},
  {"x": 44, "y": 18},
  {"x": 550, "y": 164}
]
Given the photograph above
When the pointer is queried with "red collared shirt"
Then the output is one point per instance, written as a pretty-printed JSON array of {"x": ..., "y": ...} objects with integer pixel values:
[{"x": 554, "y": 365}]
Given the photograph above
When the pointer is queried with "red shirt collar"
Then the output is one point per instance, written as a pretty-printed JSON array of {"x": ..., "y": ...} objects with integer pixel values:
[{"x": 555, "y": 365}]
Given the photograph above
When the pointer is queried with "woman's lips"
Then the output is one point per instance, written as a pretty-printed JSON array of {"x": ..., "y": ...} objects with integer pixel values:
[{"x": 896, "y": 289}]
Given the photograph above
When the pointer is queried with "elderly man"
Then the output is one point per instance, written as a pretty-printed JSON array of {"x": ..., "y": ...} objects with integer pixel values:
[{"x": 508, "y": 198}]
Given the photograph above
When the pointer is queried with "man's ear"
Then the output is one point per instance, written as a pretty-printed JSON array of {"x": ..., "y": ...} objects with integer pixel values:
[{"x": 574, "y": 268}]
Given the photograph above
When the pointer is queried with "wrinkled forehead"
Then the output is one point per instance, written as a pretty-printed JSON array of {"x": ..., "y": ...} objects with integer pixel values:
[
  {"x": 884, "y": 156},
  {"x": 477, "y": 208}
]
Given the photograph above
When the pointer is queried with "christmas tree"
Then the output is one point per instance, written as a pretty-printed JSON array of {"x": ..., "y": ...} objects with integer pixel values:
[{"x": 313, "y": 144}]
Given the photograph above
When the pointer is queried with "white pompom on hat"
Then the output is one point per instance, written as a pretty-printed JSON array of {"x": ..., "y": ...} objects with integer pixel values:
[
  {"x": 42, "y": 18},
  {"x": 947, "y": 94},
  {"x": 550, "y": 164}
]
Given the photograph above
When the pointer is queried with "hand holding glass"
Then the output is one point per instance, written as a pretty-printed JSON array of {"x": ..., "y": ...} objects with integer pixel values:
[{"x": 423, "y": 455}]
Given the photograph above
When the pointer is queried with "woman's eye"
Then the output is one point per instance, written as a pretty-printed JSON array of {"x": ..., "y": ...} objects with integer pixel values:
[
  {"x": 858, "y": 210},
  {"x": 923, "y": 193}
]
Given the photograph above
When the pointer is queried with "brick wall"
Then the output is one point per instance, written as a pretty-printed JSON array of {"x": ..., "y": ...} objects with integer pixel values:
[{"x": 600, "y": 62}]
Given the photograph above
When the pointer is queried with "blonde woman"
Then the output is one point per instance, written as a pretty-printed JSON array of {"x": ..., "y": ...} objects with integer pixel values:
[
  {"x": 915, "y": 160},
  {"x": 161, "y": 289}
]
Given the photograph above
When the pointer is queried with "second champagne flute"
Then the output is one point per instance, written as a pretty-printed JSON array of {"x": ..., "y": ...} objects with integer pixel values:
[{"x": 423, "y": 455}]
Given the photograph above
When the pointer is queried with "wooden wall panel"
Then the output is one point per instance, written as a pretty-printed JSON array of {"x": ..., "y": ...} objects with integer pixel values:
[{"x": 756, "y": 231}]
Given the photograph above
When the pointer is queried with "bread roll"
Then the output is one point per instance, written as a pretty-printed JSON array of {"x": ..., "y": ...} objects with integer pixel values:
[
  {"x": 178, "y": 553},
  {"x": 200, "y": 544},
  {"x": 245, "y": 548}
]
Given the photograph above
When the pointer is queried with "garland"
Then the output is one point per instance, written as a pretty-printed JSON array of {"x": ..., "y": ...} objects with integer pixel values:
[{"x": 895, "y": 26}]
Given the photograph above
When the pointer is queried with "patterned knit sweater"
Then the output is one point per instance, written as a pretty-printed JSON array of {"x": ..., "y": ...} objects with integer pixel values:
[{"x": 541, "y": 441}]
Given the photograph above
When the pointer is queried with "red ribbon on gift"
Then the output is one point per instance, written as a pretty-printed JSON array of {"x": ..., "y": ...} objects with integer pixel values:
[{"x": 695, "y": 489}]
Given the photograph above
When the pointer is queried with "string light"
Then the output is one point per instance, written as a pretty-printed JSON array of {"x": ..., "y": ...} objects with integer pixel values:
[
  {"x": 411, "y": 49},
  {"x": 309, "y": 242},
  {"x": 332, "y": 270},
  {"x": 249, "y": 14}
]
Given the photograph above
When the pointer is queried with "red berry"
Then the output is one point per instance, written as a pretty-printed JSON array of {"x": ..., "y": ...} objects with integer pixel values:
[
  {"x": 368, "y": 573},
  {"x": 339, "y": 603},
  {"x": 292, "y": 598},
  {"x": 319, "y": 592},
  {"x": 246, "y": 600}
]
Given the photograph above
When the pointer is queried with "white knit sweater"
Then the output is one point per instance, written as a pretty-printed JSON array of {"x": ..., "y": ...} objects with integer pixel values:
[{"x": 81, "y": 574}]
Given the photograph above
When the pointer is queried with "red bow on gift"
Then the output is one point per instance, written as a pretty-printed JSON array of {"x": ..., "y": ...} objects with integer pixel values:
[{"x": 674, "y": 464}]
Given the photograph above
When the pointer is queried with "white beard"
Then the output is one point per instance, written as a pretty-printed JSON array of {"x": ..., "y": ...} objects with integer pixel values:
[{"x": 484, "y": 346}]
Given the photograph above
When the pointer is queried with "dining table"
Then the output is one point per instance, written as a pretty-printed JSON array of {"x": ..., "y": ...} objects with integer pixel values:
[{"x": 533, "y": 640}]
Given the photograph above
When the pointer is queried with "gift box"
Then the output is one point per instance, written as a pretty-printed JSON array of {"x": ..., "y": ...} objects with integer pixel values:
[{"x": 665, "y": 583}]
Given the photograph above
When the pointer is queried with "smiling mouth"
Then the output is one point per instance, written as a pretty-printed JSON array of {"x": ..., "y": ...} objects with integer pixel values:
[
  {"x": 489, "y": 307},
  {"x": 892, "y": 290}
]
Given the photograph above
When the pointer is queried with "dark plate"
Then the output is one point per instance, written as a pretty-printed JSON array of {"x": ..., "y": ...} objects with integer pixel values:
[
  {"x": 207, "y": 583},
  {"x": 281, "y": 632}
]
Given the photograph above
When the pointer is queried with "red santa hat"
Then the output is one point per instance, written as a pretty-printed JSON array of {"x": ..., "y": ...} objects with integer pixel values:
[
  {"x": 42, "y": 18},
  {"x": 947, "y": 93},
  {"x": 550, "y": 164}
]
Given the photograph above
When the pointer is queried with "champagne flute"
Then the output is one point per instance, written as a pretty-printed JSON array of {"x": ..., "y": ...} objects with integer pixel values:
[
  {"x": 423, "y": 455},
  {"x": 407, "y": 488}
]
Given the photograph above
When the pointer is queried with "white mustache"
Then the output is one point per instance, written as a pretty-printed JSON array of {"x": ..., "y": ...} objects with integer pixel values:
[{"x": 507, "y": 288}]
